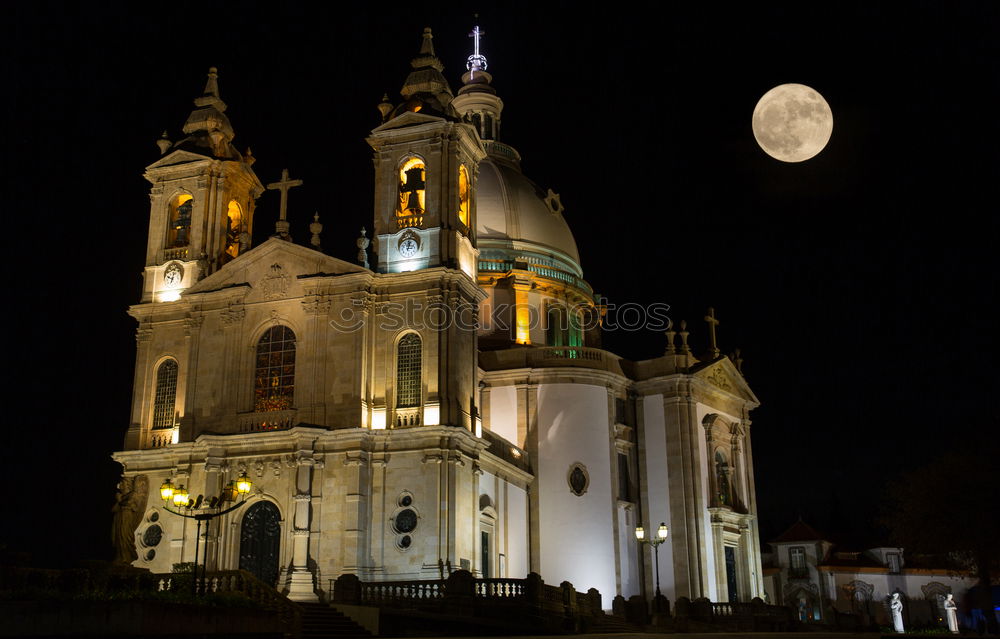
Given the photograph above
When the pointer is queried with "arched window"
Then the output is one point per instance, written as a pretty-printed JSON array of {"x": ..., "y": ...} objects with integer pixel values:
[
  {"x": 464, "y": 194},
  {"x": 410, "y": 211},
  {"x": 274, "y": 384},
  {"x": 179, "y": 228},
  {"x": 556, "y": 326},
  {"x": 234, "y": 227},
  {"x": 408, "y": 371},
  {"x": 166, "y": 395},
  {"x": 723, "y": 492}
]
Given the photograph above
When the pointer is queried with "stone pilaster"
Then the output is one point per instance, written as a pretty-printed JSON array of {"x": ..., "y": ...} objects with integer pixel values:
[{"x": 300, "y": 581}]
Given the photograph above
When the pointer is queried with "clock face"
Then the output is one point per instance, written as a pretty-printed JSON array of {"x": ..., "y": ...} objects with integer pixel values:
[
  {"x": 408, "y": 246},
  {"x": 173, "y": 275}
]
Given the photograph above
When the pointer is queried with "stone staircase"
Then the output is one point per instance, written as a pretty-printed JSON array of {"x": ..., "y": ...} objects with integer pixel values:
[
  {"x": 320, "y": 621},
  {"x": 610, "y": 623}
]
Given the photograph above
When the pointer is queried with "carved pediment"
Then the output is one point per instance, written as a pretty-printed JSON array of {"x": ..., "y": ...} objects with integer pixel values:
[
  {"x": 723, "y": 375},
  {"x": 178, "y": 157},
  {"x": 272, "y": 270},
  {"x": 409, "y": 118}
]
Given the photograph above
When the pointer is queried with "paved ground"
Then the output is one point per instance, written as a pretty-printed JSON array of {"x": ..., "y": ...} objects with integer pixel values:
[{"x": 707, "y": 635}]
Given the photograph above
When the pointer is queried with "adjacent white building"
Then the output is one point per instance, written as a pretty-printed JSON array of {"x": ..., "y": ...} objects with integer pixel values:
[{"x": 817, "y": 578}]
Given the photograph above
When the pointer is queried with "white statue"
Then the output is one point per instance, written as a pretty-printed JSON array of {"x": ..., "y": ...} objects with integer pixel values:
[
  {"x": 951, "y": 611},
  {"x": 896, "y": 606}
]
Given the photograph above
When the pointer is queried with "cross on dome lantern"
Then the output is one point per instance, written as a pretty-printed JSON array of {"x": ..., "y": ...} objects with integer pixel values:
[{"x": 477, "y": 61}]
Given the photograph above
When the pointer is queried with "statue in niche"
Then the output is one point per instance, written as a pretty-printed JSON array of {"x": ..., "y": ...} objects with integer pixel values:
[
  {"x": 182, "y": 223},
  {"x": 896, "y": 608},
  {"x": 951, "y": 612},
  {"x": 722, "y": 480},
  {"x": 130, "y": 503}
]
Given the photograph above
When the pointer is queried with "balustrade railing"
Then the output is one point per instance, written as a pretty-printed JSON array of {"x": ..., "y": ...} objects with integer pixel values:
[
  {"x": 378, "y": 592},
  {"x": 241, "y": 582},
  {"x": 499, "y": 588},
  {"x": 572, "y": 352},
  {"x": 161, "y": 438},
  {"x": 271, "y": 420},
  {"x": 410, "y": 221},
  {"x": 180, "y": 253},
  {"x": 406, "y": 417}
]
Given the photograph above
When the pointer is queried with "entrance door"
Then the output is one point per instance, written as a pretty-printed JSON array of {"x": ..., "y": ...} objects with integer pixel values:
[
  {"x": 485, "y": 553},
  {"x": 731, "y": 574},
  {"x": 260, "y": 542}
]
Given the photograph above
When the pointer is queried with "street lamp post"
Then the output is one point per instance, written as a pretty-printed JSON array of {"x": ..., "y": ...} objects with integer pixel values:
[
  {"x": 235, "y": 491},
  {"x": 661, "y": 536}
]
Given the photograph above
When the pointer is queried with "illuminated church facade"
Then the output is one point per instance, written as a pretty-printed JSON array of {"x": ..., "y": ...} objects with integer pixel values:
[{"x": 386, "y": 431}]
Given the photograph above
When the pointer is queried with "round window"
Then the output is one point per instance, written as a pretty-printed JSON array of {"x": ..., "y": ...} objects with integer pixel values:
[
  {"x": 149, "y": 555},
  {"x": 405, "y": 500},
  {"x": 152, "y": 535},
  {"x": 406, "y": 521},
  {"x": 578, "y": 479},
  {"x": 405, "y": 541}
]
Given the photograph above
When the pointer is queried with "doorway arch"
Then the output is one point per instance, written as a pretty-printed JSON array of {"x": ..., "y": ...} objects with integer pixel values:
[{"x": 260, "y": 541}]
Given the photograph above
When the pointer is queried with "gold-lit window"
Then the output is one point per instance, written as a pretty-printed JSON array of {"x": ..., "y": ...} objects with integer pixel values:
[
  {"x": 408, "y": 369},
  {"x": 274, "y": 384},
  {"x": 234, "y": 221},
  {"x": 412, "y": 185},
  {"x": 179, "y": 228},
  {"x": 464, "y": 194},
  {"x": 166, "y": 395}
]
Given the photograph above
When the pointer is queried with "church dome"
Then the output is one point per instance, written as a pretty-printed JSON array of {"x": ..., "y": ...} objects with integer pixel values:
[{"x": 515, "y": 214}]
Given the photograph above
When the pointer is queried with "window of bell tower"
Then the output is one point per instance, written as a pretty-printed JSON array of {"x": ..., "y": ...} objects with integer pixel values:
[
  {"x": 464, "y": 194},
  {"x": 179, "y": 228},
  {"x": 412, "y": 185},
  {"x": 234, "y": 228}
]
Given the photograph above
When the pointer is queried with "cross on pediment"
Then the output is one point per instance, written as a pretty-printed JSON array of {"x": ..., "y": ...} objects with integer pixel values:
[
  {"x": 712, "y": 323},
  {"x": 283, "y": 185}
]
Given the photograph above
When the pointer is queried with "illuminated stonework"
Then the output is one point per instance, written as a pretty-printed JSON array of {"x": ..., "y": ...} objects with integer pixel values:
[{"x": 389, "y": 435}]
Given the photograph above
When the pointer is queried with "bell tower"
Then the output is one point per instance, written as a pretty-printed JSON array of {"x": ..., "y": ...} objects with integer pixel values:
[
  {"x": 426, "y": 164},
  {"x": 201, "y": 201}
]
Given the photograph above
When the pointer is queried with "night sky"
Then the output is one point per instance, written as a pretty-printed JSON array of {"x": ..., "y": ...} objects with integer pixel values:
[{"x": 860, "y": 285}]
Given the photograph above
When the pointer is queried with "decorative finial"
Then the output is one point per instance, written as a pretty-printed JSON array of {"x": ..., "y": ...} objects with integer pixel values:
[
  {"x": 248, "y": 157},
  {"x": 684, "y": 349},
  {"x": 363, "y": 243},
  {"x": 476, "y": 61},
  {"x": 737, "y": 360},
  {"x": 670, "y": 333},
  {"x": 281, "y": 226},
  {"x": 385, "y": 107},
  {"x": 315, "y": 228},
  {"x": 164, "y": 143},
  {"x": 427, "y": 46},
  {"x": 212, "y": 85},
  {"x": 713, "y": 348}
]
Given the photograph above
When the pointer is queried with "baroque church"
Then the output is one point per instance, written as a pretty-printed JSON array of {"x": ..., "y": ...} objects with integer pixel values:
[{"x": 447, "y": 406}]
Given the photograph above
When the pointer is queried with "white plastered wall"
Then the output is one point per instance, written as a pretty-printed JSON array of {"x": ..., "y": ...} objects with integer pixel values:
[
  {"x": 576, "y": 537},
  {"x": 657, "y": 473},
  {"x": 503, "y": 413}
]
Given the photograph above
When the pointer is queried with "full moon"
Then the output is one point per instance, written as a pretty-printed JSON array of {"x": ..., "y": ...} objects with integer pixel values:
[{"x": 792, "y": 122}]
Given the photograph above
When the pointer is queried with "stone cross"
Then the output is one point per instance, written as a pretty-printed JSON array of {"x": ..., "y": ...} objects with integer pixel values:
[
  {"x": 712, "y": 323},
  {"x": 283, "y": 186}
]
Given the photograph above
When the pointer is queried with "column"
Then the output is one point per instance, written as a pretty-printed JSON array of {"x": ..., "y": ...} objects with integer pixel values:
[{"x": 300, "y": 582}]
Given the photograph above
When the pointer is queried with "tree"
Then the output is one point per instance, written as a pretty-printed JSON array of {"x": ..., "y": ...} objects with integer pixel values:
[{"x": 949, "y": 509}]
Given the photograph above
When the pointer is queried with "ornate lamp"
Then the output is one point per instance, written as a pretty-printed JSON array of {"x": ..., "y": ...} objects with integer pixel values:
[
  {"x": 661, "y": 536},
  {"x": 180, "y": 497},
  {"x": 243, "y": 484},
  {"x": 167, "y": 490},
  {"x": 202, "y": 510}
]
